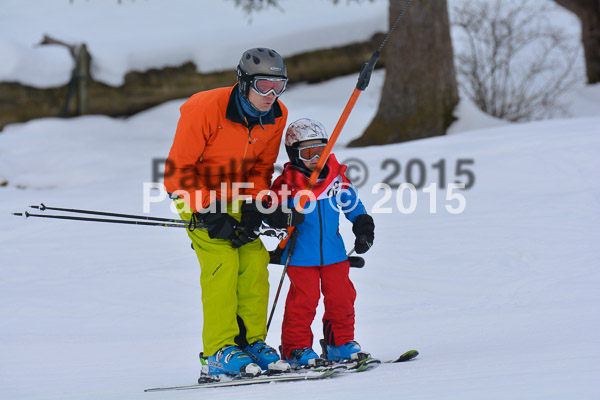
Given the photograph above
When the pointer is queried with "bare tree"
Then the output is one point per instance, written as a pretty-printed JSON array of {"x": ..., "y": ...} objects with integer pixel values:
[
  {"x": 257, "y": 5},
  {"x": 513, "y": 64},
  {"x": 588, "y": 12},
  {"x": 250, "y": 6},
  {"x": 420, "y": 90}
]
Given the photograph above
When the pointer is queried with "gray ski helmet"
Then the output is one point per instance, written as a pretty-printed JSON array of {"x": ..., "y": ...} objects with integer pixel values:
[{"x": 259, "y": 61}]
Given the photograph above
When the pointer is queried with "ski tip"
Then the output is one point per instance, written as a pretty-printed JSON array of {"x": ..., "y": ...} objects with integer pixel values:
[{"x": 409, "y": 355}]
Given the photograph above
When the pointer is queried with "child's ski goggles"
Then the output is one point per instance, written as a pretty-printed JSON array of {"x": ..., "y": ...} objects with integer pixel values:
[
  {"x": 309, "y": 153},
  {"x": 264, "y": 85}
]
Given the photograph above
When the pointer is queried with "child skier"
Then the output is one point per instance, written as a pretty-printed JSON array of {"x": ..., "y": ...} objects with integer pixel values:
[{"x": 319, "y": 260}]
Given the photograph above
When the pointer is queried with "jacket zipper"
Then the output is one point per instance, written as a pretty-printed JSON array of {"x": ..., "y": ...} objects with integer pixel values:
[
  {"x": 320, "y": 231},
  {"x": 246, "y": 148}
]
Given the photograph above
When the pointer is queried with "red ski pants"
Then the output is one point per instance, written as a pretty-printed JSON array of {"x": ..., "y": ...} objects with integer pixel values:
[{"x": 306, "y": 284}]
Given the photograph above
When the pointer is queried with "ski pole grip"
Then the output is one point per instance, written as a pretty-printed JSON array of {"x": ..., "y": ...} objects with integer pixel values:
[
  {"x": 364, "y": 77},
  {"x": 356, "y": 262}
]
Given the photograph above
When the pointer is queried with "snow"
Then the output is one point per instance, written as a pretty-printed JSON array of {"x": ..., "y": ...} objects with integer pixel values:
[
  {"x": 501, "y": 299},
  {"x": 472, "y": 118},
  {"x": 139, "y": 35}
]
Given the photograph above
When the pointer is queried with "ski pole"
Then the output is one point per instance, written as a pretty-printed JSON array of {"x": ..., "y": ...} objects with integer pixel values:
[
  {"x": 285, "y": 267},
  {"x": 263, "y": 230},
  {"x": 364, "y": 77},
  {"x": 43, "y": 207},
  {"x": 112, "y": 221}
]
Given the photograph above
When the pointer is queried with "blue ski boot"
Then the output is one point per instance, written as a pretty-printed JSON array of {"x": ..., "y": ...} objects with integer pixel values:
[
  {"x": 229, "y": 360},
  {"x": 266, "y": 357},
  {"x": 305, "y": 357},
  {"x": 348, "y": 351}
]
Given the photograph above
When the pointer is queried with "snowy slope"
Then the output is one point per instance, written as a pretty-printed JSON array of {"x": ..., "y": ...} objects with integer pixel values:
[{"x": 501, "y": 299}]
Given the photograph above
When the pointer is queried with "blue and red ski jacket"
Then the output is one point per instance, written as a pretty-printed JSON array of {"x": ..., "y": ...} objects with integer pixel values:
[{"x": 319, "y": 241}]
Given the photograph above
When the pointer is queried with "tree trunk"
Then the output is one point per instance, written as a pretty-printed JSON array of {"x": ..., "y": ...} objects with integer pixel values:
[
  {"x": 420, "y": 90},
  {"x": 588, "y": 11}
]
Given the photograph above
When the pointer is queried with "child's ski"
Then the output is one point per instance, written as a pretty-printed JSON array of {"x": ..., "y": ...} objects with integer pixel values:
[
  {"x": 367, "y": 362},
  {"x": 409, "y": 355}
]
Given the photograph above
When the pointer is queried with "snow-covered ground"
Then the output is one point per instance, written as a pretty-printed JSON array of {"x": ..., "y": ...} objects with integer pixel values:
[{"x": 501, "y": 299}]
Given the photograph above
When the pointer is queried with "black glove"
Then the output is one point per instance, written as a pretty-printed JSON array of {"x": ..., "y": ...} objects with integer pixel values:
[
  {"x": 278, "y": 218},
  {"x": 251, "y": 222},
  {"x": 275, "y": 255},
  {"x": 219, "y": 224},
  {"x": 364, "y": 230}
]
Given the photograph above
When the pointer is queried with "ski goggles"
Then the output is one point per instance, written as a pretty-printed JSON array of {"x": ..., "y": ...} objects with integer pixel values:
[
  {"x": 310, "y": 152},
  {"x": 264, "y": 85}
]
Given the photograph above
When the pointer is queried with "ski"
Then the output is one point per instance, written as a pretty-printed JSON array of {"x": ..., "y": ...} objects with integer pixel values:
[
  {"x": 409, "y": 355},
  {"x": 336, "y": 369},
  {"x": 363, "y": 365},
  {"x": 363, "y": 361},
  {"x": 366, "y": 362},
  {"x": 241, "y": 381},
  {"x": 369, "y": 362}
]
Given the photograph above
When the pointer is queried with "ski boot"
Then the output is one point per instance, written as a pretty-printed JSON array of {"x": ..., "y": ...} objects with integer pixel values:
[
  {"x": 306, "y": 357},
  {"x": 350, "y": 355},
  {"x": 230, "y": 360},
  {"x": 266, "y": 357},
  {"x": 348, "y": 351}
]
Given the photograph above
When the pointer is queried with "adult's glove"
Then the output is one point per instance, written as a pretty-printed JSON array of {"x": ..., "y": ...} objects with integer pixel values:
[
  {"x": 251, "y": 221},
  {"x": 280, "y": 218},
  {"x": 275, "y": 255},
  {"x": 364, "y": 230},
  {"x": 219, "y": 224}
]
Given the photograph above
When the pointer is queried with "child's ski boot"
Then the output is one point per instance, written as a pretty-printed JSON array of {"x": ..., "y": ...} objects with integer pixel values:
[
  {"x": 348, "y": 351},
  {"x": 349, "y": 354},
  {"x": 306, "y": 358}
]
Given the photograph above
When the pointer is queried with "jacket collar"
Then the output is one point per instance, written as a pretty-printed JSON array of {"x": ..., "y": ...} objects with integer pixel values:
[
  {"x": 297, "y": 180},
  {"x": 235, "y": 114}
]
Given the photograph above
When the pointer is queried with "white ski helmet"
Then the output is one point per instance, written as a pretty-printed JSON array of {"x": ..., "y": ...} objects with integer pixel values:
[
  {"x": 305, "y": 129},
  {"x": 300, "y": 131}
]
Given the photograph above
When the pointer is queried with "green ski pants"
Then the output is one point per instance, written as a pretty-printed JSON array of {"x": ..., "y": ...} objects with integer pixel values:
[{"x": 235, "y": 285}]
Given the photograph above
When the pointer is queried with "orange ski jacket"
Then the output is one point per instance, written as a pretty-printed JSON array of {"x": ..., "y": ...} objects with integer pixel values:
[{"x": 214, "y": 147}]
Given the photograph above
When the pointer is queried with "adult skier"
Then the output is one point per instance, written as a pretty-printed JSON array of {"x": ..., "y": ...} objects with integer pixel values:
[
  {"x": 319, "y": 262},
  {"x": 227, "y": 141}
]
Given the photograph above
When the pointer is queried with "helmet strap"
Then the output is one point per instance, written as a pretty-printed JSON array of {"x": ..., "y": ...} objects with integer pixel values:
[{"x": 244, "y": 81}]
